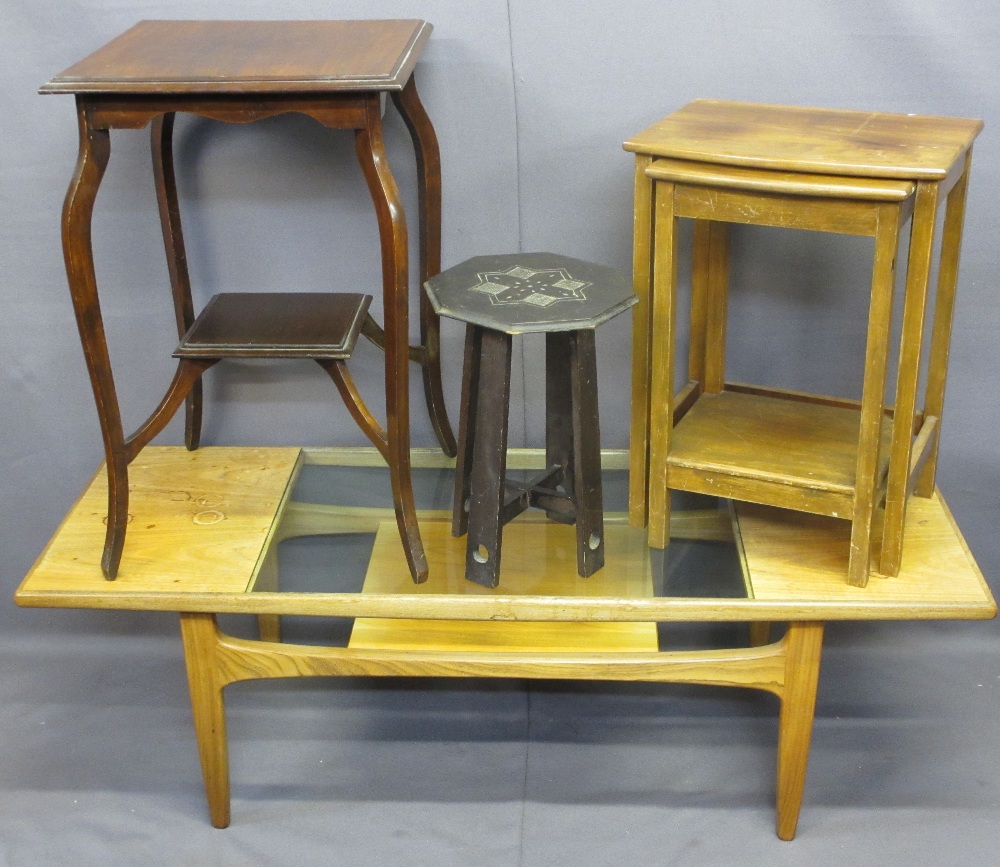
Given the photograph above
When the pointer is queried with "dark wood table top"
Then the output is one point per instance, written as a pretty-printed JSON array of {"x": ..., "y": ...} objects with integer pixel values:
[
  {"x": 214, "y": 57},
  {"x": 519, "y": 293}
]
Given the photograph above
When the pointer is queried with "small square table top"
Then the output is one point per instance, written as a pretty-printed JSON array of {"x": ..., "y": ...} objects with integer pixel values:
[
  {"x": 160, "y": 57},
  {"x": 820, "y": 140},
  {"x": 276, "y": 325}
]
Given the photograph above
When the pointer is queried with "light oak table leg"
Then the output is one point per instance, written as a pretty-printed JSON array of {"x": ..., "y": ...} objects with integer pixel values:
[
  {"x": 944, "y": 308},
  {"x": 873, "y": 393},
  {"x": 661, "y": 413},
  {"x": 803, "y": 644},
  {"x": 268, "y": 580},
  {"x": 709, "y": 304},
  {"x": 642, "y": 321},
  {"x": 760, "y": 633},
  {"x": 918, "y": 272},
  {"x": 201, "y": 644}
]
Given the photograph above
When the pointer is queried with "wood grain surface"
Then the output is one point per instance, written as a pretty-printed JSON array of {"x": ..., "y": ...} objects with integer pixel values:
[
  {"x": 797, "y": 561},
  {"x": 249, "y": 56},
  {"x": 198, "y": 520},
  {"x": 539, "y": 558},
  {"x": 791, "y": 553},
  {"x": 796, "y": 139}
]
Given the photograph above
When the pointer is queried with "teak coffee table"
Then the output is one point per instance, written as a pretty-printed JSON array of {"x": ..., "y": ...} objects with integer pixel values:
[
  {"x": 208, "y": 525},
  {"x": 336, "y": 72}
]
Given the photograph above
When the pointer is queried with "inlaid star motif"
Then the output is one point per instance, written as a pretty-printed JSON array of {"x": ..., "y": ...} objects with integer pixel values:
[{"x": 520, "y": 285}]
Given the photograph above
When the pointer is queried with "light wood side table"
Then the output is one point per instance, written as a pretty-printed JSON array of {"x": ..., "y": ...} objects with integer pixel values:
[
  {"x": 861, "y": 173},
  {"x": 336, "y": 72}
]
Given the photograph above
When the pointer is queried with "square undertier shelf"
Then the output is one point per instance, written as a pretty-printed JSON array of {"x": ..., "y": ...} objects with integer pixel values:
[{"x": 769, "y": 449}]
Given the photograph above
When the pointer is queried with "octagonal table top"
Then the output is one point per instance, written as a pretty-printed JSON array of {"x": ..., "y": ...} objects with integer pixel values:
[{"x": 529, "y": 292}]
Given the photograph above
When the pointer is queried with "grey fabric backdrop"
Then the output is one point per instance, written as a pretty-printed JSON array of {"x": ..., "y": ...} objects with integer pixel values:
[{"x": 531, "y": 102}]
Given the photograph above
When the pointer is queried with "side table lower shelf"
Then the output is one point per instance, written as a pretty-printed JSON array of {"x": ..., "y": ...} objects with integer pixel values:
[
  {"x": 763, "y": 447},
  {"x": 795, "y": 451},
  {"x": 192, "y": 511}
]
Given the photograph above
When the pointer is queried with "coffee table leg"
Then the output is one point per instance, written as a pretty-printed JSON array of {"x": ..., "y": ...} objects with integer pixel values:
[
  {"x": 803, "y": 645},
  {"x": 200, "y": 637}
]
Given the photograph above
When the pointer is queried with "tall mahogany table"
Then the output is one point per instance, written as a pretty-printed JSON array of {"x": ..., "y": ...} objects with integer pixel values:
[{"x": 335, "y": 72}]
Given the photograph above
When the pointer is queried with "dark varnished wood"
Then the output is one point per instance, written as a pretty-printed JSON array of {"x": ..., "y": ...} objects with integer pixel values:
[
  {"x": 569, "y": 489},
  {"x": 375, "y": 333},
  {"x": 566, "y": 299},
  {"x": 489, "y": 459},
  {"x": 186, "y": 378},
  {"x": 276, "y": 325},
  {"x": 162, "y": 152},
  {"x": 78, "y": 209},
  {"x": 337, "y": 111},
  {"x": 370, "y": 149},
  {"x": 466, "y": 429},
  {"x": 588, "y": 497},
  {"x": 542, "y": 491},
  {"x": 240, "y": 72},
  {"x": 425, "y": 146},
  {"x": 250, "y": 56},
  {"x": 559, "y": 453},
  {"x": 341, "y": 376},
  {"x": 526, "y": 293}
]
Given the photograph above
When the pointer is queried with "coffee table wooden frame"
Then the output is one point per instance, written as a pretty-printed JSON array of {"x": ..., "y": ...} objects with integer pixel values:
[{"x": 940, "y": 581}]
